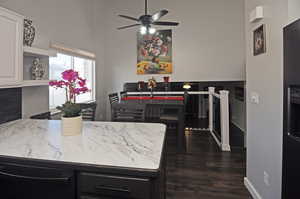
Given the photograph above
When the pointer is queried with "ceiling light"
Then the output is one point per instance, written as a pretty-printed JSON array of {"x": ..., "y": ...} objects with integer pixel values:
[
  {"x": 187, "y": 86},
  {"x": 143, "y": 30},
  {"x": 152, "y": 30},
  {"x": 155, "y": 17}
]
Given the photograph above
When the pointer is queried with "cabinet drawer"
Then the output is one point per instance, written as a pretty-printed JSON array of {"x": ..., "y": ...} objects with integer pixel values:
[{"x": 114, "y": 186}]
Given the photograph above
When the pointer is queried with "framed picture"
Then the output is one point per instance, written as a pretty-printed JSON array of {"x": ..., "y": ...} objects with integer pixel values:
[
  {"x": 259, "y": 40},
  {"x": 154, "y": 53}
]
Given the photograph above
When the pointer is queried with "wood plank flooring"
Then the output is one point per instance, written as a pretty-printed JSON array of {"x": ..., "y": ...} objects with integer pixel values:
[{"x": 204, "y": 172}]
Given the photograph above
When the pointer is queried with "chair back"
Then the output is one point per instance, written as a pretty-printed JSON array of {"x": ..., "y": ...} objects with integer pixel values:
[
  {"x": 42, "y": 116},
  {"x": 113, "y": 98},
  {"x": 128, "y": 112},
  {"x": 88, "y": 111},
  {"x": 123, "y": 94}
]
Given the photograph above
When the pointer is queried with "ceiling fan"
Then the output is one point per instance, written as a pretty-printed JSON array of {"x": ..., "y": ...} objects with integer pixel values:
[{"x": 146, "y": 20}]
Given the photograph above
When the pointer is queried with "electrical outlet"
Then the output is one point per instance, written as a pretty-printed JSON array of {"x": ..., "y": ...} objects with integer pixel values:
[
  {"x": 266, "y": 179},
  {"x": 254, "y": 98}
]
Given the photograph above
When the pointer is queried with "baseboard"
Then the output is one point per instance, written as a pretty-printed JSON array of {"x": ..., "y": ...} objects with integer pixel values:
[{"x": 251, "y": 189}]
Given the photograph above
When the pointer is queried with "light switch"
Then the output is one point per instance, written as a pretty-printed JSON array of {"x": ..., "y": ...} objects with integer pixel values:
[{"x": 254, "y": 98}]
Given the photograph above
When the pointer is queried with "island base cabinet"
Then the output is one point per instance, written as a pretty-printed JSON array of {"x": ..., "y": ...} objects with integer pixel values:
[
  {"x": 22, "y": 181},
  {"x": 96, "y": 186}
]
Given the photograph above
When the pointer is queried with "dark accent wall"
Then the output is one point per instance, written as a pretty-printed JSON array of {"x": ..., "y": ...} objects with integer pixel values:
[{"x": 10, "y": 104}]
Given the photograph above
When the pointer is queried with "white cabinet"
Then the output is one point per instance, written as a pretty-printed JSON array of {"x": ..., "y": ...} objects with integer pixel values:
[{"x": 11, "y": 48}]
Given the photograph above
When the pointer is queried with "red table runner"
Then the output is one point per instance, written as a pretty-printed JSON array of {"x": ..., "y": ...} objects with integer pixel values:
[{"x": 178, "y": 98}]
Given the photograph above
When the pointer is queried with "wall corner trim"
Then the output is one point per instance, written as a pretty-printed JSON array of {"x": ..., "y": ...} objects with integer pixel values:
[{"x": 251, "y": 189}]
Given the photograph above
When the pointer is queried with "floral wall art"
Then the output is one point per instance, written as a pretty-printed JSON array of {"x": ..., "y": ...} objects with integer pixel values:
[
  {"x": 155, "y": 53},
  {"x": 259, "y": 40}
]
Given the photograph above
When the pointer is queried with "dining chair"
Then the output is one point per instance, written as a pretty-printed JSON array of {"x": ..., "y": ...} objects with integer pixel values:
[
  {"x": 42, "y": 116},
  {"x": 124, "y": 112},
  {"x": 113, "y": 98},
  {"x": 88, "y": 111},
  {"x": 170, "y": 119},
  {"x": 123, "y": 94}
]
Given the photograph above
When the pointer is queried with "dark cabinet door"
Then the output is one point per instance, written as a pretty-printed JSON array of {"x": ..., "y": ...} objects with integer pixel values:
[{"x": 20, "y": 182}]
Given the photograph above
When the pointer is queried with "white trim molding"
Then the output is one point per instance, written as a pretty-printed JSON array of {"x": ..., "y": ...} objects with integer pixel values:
[
  {"x": 224, "y": 97},
  {"x": 73, "y": 51},
  {"x": 251, "y": 189},
  {"x": 211, "y": 91}
]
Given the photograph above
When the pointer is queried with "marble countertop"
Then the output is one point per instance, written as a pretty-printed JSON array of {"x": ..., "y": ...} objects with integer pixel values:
[{"x": 130, "y": 145}]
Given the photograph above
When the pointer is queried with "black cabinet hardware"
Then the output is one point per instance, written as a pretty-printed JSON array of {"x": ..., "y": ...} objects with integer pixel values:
[
  {"x": 113, "y": 189},
  {"x": 63, "y": 179}
]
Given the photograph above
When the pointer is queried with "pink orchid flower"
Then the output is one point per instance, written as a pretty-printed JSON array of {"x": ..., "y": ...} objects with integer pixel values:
[{"x": 72, "y": 83}]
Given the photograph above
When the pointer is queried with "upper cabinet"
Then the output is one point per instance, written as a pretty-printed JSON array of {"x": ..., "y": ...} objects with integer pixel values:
[{"x": 11, "y": 48}]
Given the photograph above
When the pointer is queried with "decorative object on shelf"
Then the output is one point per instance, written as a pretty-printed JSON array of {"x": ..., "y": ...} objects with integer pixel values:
[
  {"x": 38, "y": 70},
  {"x": 151, "y": 85},
  {"x": 29, "y": 32},
  {"x": 155, "y": 53},
  {"x": 166, "y": 81},
  {"x": 259, "y": 40},
  {"x": 71, "y": 112},
  {"x": 141, "y": 85}
]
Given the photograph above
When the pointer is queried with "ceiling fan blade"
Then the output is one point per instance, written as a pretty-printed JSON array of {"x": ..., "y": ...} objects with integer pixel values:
[
  {"x": 165, "y": 23},
  {"x": 159, "y": 15},
  {"x": 128, "y": 17},
  {"x": 124, "y": 27}
]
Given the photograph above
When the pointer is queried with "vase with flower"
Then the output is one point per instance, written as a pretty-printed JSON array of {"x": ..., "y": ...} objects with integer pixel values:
[
  {"x": 74, "y": 85},
  {"x": 151, "y": 85},
  {"x": 166, "y": 81}
]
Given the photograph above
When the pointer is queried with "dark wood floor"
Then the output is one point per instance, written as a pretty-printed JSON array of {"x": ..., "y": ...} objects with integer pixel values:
[{"x": 204, "y": 172}]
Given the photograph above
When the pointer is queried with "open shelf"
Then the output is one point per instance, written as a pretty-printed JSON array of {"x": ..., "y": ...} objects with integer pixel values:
[
  {"x": 38, "y": 52},
  {"x": 28, "y": 83}
]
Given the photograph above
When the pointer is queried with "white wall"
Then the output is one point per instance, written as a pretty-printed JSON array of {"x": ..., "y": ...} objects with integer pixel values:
[
  {"x": 293, "y": 10},
  {"x": 99, "y": 49},
  {"x": 207, "y": 45},
  {"x": 69, "y": 22},
  {"x": 264, "y": 120},
  {"x": 65, "y": 21}
]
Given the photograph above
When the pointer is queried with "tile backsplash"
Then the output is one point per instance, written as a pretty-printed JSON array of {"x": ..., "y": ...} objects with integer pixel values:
[{"x": 10, "y": 104}]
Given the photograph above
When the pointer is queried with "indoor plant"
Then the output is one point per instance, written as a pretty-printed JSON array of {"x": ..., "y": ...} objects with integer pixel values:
[{"x": 71, "y": 112}]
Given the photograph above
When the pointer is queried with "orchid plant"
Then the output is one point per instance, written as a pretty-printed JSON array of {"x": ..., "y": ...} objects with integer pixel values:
[{"x": 74, "y": 86}]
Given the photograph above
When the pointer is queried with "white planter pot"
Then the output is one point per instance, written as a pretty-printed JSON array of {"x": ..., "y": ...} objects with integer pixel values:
[{"x": 71, "y": 126}]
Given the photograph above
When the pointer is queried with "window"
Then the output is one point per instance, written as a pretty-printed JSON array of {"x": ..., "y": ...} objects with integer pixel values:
[{"x": 86, "y": 69}]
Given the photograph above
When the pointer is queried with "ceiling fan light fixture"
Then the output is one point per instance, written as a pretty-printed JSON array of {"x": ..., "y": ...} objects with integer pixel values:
[
  {"x": 143, "y": 30},
  {"x": 152, "y": 30},
  {"x": 155, "y": 17},
  {"x": 148, "y": 20}
]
